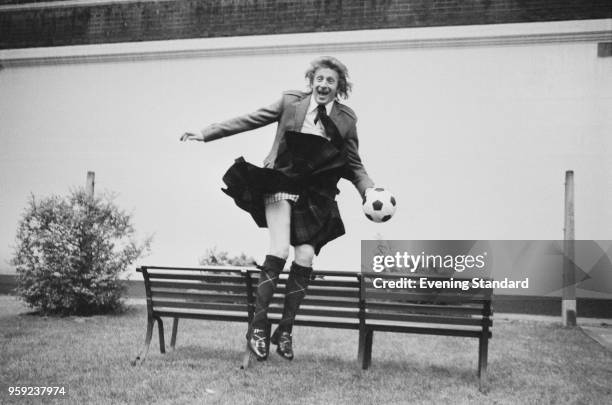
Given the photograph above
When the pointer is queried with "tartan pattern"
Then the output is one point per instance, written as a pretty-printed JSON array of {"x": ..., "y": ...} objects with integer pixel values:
[
  {"x": 315, "y": 220},
  {"x": 280, "y": 196}
]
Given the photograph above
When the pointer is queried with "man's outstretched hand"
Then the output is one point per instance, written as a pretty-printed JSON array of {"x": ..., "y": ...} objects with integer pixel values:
[{"x": 192, "y": 136}]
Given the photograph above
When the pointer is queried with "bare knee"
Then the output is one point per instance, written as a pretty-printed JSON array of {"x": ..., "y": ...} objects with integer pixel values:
[{"x": 304, "y": 254}]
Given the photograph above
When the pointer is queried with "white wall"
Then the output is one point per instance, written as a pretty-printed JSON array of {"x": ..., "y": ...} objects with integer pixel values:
[{"x": 473, "y": 140}]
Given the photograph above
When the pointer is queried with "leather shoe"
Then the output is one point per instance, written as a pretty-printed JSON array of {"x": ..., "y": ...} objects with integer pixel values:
[
  {"x": 257, "y": 343},
  {"x": 284, "y": 342}
]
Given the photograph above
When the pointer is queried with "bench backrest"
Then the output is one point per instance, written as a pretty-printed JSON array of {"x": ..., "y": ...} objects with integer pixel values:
[
  {"x": 334, "y": 299},
  {"x": 196, "y": 293},
  {"x": 426, "y": 301}
]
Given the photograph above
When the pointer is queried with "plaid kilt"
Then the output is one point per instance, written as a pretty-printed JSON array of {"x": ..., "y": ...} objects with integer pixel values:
[
  {"x": 310, "y": 167},
  {"x": 315, "y": 218},
  {"x": 279, "y": 196}
]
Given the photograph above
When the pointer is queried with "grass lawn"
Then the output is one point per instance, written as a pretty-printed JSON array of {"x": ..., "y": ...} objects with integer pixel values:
[{"x": 530, "y": 362}]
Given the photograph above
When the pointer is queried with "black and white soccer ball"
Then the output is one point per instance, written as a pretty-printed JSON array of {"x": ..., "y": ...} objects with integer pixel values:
[{"x": 379, "y": 205}]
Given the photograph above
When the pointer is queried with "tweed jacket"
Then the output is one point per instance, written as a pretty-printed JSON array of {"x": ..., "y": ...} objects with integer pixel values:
[{"x": 290, "y": 112}]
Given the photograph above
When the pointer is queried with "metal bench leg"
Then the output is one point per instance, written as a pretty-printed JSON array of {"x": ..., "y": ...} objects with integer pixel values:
[
  {"x": 145, "y": 349},
  {"x": 246, "y": 357},
  {"x": 483, "y": 348},
  {"x": 367, "y": 359},
  {"x": 162, "y": 342},
  {"x": 361, "y": 346},
  {"x": 364, "y": 355},
  {"x": 174, "y": 330}
]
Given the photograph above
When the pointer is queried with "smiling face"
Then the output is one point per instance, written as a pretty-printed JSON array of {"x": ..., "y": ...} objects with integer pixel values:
[{"x": 324, "y": 85}]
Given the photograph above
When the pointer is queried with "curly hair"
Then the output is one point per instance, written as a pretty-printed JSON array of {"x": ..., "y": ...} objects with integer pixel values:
[{"x": 344, "y": 86}]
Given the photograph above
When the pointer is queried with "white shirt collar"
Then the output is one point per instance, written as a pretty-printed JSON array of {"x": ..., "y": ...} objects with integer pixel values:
[{"x": 313, "y": 105}]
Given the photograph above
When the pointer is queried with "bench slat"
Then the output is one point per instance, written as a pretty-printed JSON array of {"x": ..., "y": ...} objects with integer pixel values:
[
  {"x": 278, "y": 298},
  {"x": 337, "y": 303},
  {"x": 157, "y": 285},
  {"x": 300, "y": 321},
  {"x": 426, "y": 298},
  {"x": 238, "y": 279},
  {"x": 198, "y": 296},
  {"x": 200, "y": 315},
  {"x": 329, "y": 313},
  {"x": 308, "y": 320},
  {"x": 210, "y": 297},
  {"x": 334, "y": 283},
  {"x": 321, "y": 273},
  {"x": 316, "y": 283},
  {"x": 218, "y": 269},
  {"x": 200, "y": 305},
  {"x": 419, "y": 318},
  {"x": 468, "y": 309},
  {"x": 324, "y": 292},
  {"x": 332, "y": 292},
  {"x": 323, "y": 324},
  {"x": 427, "y": 330},
  {"x": 305, "y": 320}
]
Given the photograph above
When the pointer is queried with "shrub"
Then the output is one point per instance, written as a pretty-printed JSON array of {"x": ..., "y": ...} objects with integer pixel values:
[
  {"x": 213, "y": 257},
  {"x": 70, "y": 252}
]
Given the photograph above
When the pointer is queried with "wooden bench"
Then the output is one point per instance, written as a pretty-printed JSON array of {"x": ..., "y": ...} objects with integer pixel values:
[
  {"x": 430, "y": 311},
  {"x": 343, "y": 300}
]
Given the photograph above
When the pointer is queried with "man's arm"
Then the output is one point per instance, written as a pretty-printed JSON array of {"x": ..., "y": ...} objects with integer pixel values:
[
  {"x": 356, "y": 173},
  {"x": 261, "y": 117}
]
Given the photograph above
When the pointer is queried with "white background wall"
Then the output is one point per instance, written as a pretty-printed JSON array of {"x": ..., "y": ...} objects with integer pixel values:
[{"x": 474, "y": 141}]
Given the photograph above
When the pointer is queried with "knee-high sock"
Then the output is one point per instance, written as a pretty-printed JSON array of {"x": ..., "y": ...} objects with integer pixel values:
[
  {"x": 268, "y": 277},
  {"x": 297, "y": 283}
]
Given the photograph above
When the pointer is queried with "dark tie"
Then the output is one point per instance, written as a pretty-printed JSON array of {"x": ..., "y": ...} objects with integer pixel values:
[
  {"x": 321, "y": 112},
  {"x": 330, "y": 128}
]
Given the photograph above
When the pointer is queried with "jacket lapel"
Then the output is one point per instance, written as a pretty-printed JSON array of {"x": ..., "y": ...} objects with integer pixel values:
[
  {"x": 301, "y": 108},
  {"x": 337, "y": 119}
]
